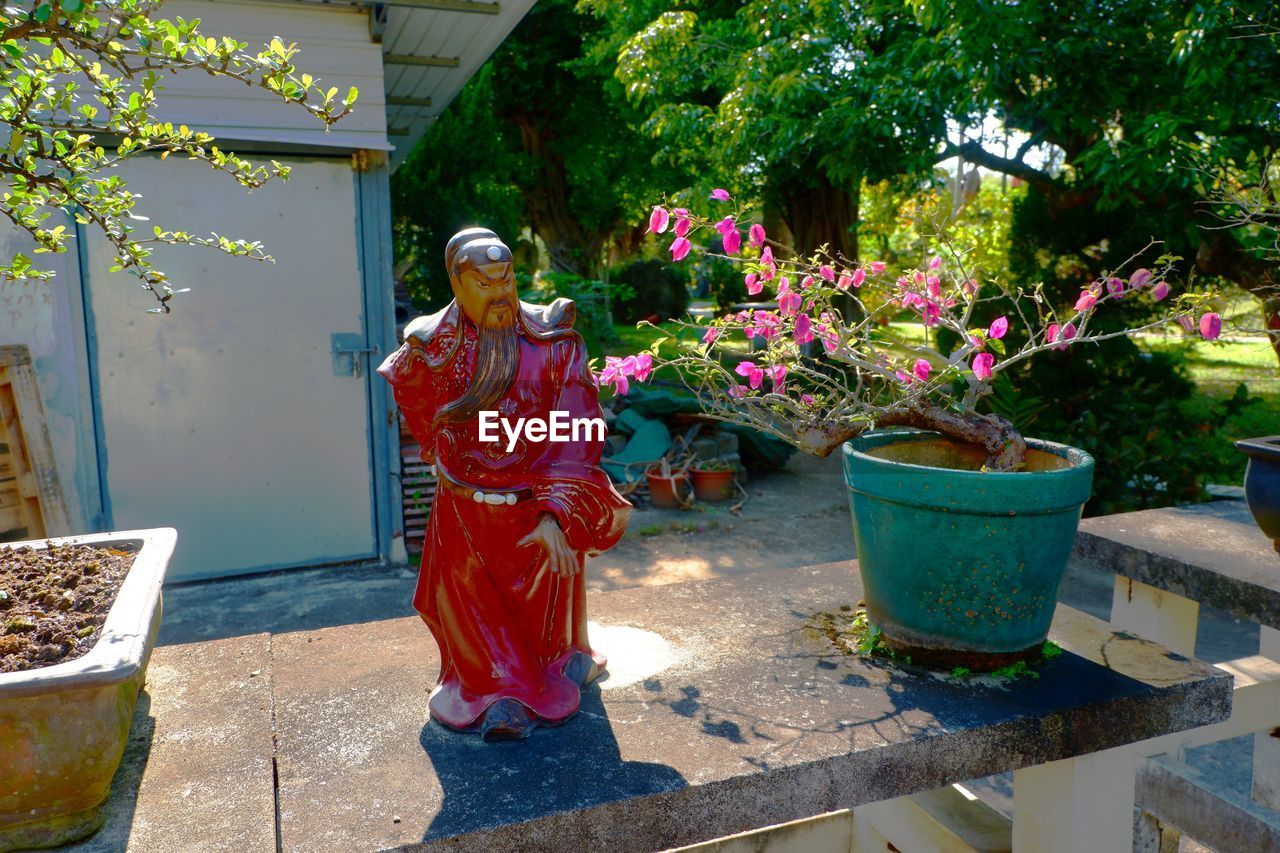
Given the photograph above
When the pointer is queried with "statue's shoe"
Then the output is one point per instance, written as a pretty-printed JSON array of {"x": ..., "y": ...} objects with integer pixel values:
[
  {"x": 507, "y": 719},
  {"x": 581, "y": 669}
]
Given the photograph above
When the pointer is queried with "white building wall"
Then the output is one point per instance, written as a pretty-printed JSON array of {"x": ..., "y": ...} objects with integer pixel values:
[{"x": 336, "y": 49}]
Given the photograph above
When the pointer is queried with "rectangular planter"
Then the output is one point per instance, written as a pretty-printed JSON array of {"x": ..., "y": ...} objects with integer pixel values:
[{"x": 63, "y": 728}]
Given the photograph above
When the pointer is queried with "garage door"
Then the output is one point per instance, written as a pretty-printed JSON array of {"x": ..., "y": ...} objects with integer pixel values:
[{"x": 230, "y": 419}]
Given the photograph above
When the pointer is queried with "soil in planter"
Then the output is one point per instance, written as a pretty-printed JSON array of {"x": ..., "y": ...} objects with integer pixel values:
[
  {"x": 943, "y": 453},
  {"x": 53, "y": 601}
]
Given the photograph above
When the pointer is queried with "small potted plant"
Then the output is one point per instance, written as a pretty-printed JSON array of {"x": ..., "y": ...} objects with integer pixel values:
[
  {"x": 712, "y": 480},
  {"x": 668, "y": 486},
  {"x": 962, "y": 526}
]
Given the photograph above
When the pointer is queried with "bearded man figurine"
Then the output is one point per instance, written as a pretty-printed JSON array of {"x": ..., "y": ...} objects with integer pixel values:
[{"x": 501, "y": 584}]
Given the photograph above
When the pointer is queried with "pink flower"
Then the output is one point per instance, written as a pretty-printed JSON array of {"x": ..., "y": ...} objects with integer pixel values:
[
  {"x": 1210, "y": 326},
  {"x": 766, "y": 257},
  {"x": 806, "y": 282},
  {"x": 982, "y": 364},
  {"x": 724, "y": 226},
  {"x": 935, "y": 262},
  {"x": 658, "y": 220},
  {"x": 682, "y": 226},
  {"x": 1086, "y": 301},
  {"x": 737, "y": 392},
  {"x": 1160, "y": 291},
  {"x": 756, "y": 234},
  {"x": 804, "y": 329},
  {"x": 1187, "y": 323},
  {"x": 732, "y": 241},
  {"x": 1115, "y": 286},
  {"x": 807, "y": 399},
  {"x": 903, "y": 378},
  {"x": 643, "y": 366},
  {"x": 827, "y": 273},
  {"x": 788, "y": 300},
  {"x": 971, "y": 287},
  {"x": 779, "y": 373},
  {"x": 845, "y": 282},
  {"x": 720, "y": 195},
  {"x": 711, "y": 335},
  {"x": 921, "y": 370},
  {"x": 932, "y": 313},
  {"x": 1051, "y": 333},
  {"x": 1065, "y": 334},
  {"x": 859, "y": 276},
  {"x": 876, "y": 267},
  {"x": 753, "y": 283},
  {"x": 615, "y": 374},
  {"x": 1140, "y": 278},
  {"x": 754, "y": 375},
  {"x": 679, "y": 248},
  {"x": 999, "y": 326}
]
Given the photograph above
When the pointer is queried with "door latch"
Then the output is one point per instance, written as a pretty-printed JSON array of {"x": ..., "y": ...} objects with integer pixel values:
[{"x": 349, "y": 352}]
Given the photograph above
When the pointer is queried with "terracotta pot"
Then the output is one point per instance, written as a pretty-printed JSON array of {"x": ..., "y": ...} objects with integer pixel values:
[
  {"x": 961, "y": 567},
  {"x": 1262, "y": 483},
  {"x": 713, "y": 486},
  {"x": 664, "y": 492},
  {"x": 63, "y": 728}
]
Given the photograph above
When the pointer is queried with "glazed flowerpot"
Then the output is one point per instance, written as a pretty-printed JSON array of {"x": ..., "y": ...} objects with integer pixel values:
[
  {"x": 961, "y": 567},
  {"x": 667, "y": 492},
  {"x": 712, "y": 486},
  {"x": 63, "y": 728},
  {"x": 1262, "y": 483}
]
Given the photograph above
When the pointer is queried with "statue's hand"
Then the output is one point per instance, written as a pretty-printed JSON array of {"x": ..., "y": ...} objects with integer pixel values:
[{"x": 560, "y": 557}]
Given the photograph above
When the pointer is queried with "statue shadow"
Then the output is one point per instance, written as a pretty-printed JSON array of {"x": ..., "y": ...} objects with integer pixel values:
[{"x": 563, "y": 769}]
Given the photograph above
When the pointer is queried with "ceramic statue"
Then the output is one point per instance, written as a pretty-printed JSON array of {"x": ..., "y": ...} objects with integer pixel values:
[{"x": 517, "y": 509}]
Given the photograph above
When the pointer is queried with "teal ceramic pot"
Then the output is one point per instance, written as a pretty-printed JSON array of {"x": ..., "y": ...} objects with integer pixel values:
[{"x": 962, "y": 567}]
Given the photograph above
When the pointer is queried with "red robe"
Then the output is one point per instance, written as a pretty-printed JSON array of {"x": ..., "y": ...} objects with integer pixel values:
[{"x": 506, "y": 624}]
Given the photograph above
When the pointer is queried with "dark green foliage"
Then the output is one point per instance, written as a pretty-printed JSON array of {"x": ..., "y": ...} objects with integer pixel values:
[
  {"x": 658, "y": 290},
  {"x": 1133, "y": 412},
  {"x": 593, "y": 300}
]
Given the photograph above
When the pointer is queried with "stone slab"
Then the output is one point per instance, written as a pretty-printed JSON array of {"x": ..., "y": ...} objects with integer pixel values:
[
  {"x": 197, "y": 772},
  {"x": 722, "y": 713},
  {"x": 1211, "y": 552}
]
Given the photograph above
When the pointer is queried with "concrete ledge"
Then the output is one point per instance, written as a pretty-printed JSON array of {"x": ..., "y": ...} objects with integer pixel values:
[
  {"x": 1179, "y": 795},
  {"x": 722, "y": 714},
  {"x": 1212, "y": 553},
  {"x": 197, "y": 772}
]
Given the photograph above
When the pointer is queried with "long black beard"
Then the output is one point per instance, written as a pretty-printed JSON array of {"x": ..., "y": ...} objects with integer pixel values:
[{"x": 497, "y": 360}]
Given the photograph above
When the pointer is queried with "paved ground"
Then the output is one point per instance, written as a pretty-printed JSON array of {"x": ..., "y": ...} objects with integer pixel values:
[{"x": 795, "y": 517}]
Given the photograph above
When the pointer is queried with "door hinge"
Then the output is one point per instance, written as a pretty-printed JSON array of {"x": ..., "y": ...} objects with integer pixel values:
[{"x": 349, "y": 352}]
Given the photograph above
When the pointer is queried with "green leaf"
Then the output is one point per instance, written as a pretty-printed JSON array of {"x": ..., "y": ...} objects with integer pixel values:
[{"x": 42, "y": 13}]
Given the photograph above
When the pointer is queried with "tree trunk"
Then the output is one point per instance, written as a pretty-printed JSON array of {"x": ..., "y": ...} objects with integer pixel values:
[
  {"x": 1005, "y": 446},
  {"x": 570, "y": 247},
  {"x": 819, "y": 212},
  {"x": 1221, "y": 255}
]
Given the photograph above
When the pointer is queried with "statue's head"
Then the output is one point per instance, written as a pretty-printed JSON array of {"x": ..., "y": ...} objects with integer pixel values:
[{"x": 484, "y": 287}]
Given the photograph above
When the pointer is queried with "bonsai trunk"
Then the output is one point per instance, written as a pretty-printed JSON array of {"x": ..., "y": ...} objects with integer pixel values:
[{"x": 1006, "y": 449}]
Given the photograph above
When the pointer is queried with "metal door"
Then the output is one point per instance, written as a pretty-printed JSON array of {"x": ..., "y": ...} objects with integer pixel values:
[{"x": 232, "y": 419}]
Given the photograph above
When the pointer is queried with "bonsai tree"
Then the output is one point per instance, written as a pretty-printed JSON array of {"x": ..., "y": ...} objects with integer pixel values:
[
  {"x": 81, "y": 79},
  {"x": 834, "y": 364}
]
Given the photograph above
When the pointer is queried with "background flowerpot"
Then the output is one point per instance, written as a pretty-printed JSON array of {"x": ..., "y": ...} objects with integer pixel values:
[
  {"x": 1262, "y": 483},
  {"x": 962, "y": 567},
  {"x": 713, "y": 485},
  {"x": 63, "y": 728},
  {"x": 667, "y": 492}
]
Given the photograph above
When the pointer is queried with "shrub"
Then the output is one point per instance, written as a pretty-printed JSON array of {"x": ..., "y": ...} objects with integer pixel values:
[{"x": 658, "y": 289}]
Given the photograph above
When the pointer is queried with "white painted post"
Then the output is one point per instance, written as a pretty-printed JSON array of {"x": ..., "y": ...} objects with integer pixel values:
[
  {"x": 1266, "y": 746},
  {"x": 1155, "y": 614},
  {"x": 1077, "y": 805}
]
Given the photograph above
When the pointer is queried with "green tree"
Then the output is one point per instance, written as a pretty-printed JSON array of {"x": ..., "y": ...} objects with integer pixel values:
[
  {"x": 79, "y": 75},
  {"x": 795, "y": 103},
  {"x": 1149, "y": 105},
  {"x": 543, "y": 138}
]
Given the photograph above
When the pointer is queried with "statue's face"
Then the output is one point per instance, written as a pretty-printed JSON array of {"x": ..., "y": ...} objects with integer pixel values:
[{"x": 487, "y": 294}]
